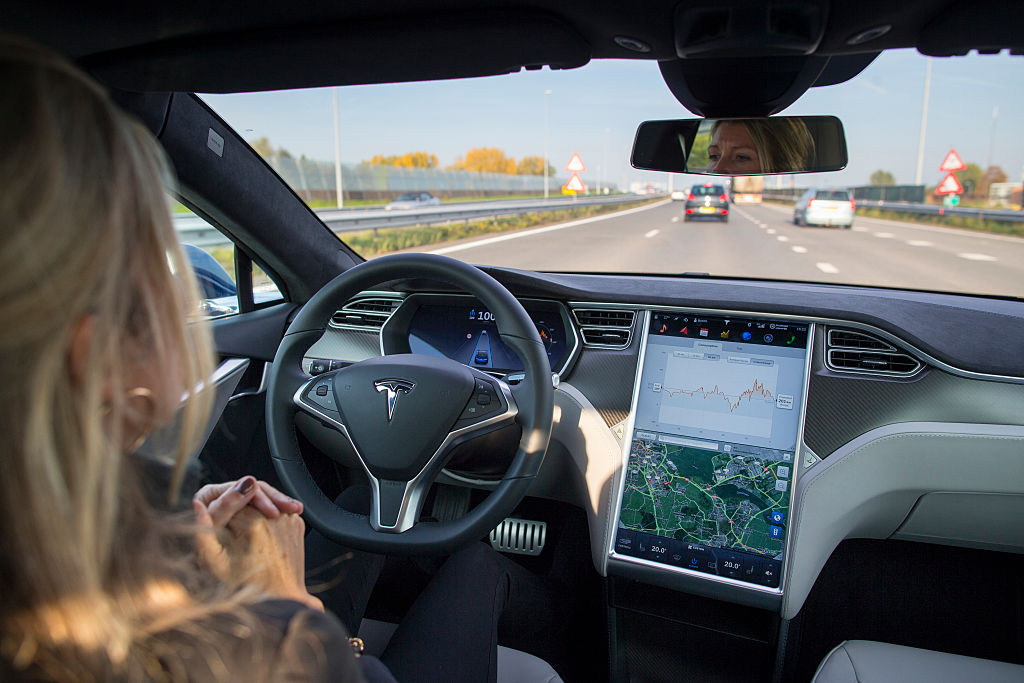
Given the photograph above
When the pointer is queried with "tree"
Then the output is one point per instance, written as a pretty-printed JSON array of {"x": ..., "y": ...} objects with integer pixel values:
[
  {"x": 267, "y": 150},
  {"x": 993, "y": 174},
  {"x": 408, "y": 160},
  {"x": 881, "y": 177},
  {"x": 533, "y": 166},
  {"x": 485, "y": 160},
  {"x": 970, "y": 178},
  {"x": 262, "y": 147}
]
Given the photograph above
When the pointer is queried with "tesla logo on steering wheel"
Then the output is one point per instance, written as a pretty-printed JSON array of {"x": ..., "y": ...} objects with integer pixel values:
[{"x": 393, "y": 387}]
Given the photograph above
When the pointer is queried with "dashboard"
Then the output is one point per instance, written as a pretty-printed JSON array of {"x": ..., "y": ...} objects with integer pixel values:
[{"x": 723, "y": 440}]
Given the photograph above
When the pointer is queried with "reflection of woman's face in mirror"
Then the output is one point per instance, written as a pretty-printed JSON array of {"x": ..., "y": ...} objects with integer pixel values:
[{"x": 732, "y": 150}]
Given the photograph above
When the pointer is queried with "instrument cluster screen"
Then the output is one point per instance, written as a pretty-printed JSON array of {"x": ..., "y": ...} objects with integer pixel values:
[{"x": 469, "y": 335}]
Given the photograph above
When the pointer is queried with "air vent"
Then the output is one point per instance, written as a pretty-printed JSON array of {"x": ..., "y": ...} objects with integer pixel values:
[
  {"x": 848, "y": 339},
  {"x": 602, "y": 317},
  {"x": 605, "y": 327},
  {"x": 365, "y": 313},
  {"x": 600, "y": 337},
  {"x": 850, "y": 351}
]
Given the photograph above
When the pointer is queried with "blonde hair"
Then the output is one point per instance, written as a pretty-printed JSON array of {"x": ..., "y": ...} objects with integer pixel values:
[
  {"x": 783, "y": 145},
  {"x": 90, "y": 573}
]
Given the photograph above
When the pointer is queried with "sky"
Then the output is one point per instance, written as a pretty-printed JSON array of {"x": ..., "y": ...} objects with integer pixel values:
[{"x": 595, "y": 111}]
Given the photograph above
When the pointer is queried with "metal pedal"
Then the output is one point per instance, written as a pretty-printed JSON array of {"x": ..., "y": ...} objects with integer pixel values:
[{"x": 519, "y": 536}]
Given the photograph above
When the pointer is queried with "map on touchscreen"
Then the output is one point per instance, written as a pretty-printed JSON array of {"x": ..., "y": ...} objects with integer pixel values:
[
  {"x": 721, "y": 501},
  {"x": 708, "y": 480}
]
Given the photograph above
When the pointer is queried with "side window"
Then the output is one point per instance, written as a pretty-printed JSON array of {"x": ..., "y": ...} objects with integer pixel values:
[{"x": 216, "y": 262}]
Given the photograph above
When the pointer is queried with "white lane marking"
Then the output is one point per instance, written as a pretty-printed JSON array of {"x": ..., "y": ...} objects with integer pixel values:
[
  {"x": 772, "y": 231},
  {"x": 800, "y": 250},
  {"x": 782, "y": 238},
  {"x": 977, "y": 257},
  {"x": 884, "y": 235},
  {"x": 940, "y": 230},
  {"x": 675, "y": 219},
  {"x": 827, "y": 268},
  {"x": 548, "y": 228},
  {"x": 919, "y": 243},
  {"x": 859, "y": 228},
  {"x": 762, "y": 225},
  {"x": 651, "y": 233}
]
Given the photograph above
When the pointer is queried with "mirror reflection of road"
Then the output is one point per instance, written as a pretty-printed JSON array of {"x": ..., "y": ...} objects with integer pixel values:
[{"x": 760, "y": 241}]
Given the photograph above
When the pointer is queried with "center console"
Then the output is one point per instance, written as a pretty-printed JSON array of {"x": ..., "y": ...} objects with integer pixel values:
[{"x": 711, "y": 462}]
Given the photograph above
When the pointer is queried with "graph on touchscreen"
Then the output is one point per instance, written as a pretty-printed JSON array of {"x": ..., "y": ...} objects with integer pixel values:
[{"x": 728, "y": 394}]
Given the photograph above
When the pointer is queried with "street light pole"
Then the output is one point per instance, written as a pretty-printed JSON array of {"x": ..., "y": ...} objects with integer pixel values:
[
  {"x": 337, "y": 153},
  {"x": 992, "y": 137},
  {"x": 924, "y": 122},
  {"x": 546, "y": 180},
  {"x": 601, "y": 185}
]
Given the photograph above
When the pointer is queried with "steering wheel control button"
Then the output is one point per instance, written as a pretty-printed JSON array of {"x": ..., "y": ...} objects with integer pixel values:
[
  {"x": 319, "y": 367},
  {"x": 320, "y": 394},
  {"x": 485, "y": 402}
]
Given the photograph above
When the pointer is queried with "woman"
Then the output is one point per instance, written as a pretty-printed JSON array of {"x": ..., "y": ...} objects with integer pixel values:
[
  {"x": 95, "y": 355},
  {"x": 753, "y": 146}
]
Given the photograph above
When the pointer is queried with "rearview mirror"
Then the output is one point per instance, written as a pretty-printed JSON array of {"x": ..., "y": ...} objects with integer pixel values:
[{"x": 755, "y": 146}]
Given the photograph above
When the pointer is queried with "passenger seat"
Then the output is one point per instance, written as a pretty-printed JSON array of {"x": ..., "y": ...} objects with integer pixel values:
[{"x": 866, "y": 661}]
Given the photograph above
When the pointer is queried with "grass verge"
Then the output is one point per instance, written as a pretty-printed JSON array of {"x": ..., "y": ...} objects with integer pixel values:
[{"x": 369, "y": 243}]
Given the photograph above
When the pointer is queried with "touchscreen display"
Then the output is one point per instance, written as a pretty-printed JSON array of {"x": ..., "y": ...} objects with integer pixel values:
[
  {"x": 711, "y": 461},
  {"x": 469, "y": 334}
]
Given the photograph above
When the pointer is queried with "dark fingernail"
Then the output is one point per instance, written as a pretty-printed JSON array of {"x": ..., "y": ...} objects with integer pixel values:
[{"x": 246, "y": 485}]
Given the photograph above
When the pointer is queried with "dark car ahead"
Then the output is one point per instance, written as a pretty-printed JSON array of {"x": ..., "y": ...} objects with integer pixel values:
[{"x": 707, "y": 201}]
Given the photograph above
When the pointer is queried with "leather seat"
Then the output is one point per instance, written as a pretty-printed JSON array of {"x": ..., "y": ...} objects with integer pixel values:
[
  {"x": 866, "y": 661},
  {"x": 514, "y": 666}
]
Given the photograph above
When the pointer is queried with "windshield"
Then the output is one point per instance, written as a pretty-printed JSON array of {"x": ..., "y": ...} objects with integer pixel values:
[
  {"x": 702, "y": 190},
  {"x": 563, "y": 139}
]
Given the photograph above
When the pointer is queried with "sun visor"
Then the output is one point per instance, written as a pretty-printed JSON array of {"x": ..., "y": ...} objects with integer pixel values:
[
  {"x": 987, "y": 26},
  {"x": 429, "y": 47}
]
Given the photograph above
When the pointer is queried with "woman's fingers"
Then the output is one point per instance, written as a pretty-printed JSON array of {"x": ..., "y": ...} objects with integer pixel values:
[
  {"x": 208, "y": 548},
  {"x": 232, "y": 501},
  {"x": 284, "y": 503},
  {"x": 226, "y": 499}
]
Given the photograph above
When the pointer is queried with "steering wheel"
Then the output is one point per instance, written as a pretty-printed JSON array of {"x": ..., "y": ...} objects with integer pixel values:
[{"x": 403, "y": 414}]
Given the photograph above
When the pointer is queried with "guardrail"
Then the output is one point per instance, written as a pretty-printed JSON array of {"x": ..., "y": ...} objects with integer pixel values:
[
  {"x": 1001, "y": 215},
  {"x": 194, "y": 230}
]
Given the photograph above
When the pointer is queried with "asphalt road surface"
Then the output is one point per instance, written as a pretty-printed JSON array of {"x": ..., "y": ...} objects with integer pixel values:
[{"x": 760, "y": 241}]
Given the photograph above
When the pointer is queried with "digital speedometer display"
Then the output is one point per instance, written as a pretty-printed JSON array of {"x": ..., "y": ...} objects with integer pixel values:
[{"x": 469, "y": 334}]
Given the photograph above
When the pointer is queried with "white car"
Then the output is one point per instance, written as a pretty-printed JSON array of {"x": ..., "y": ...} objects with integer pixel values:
[
  {"x": 413, "y": 200},
  {"x": 678, "y": 196},
  {"x": 824, "y": 207}
]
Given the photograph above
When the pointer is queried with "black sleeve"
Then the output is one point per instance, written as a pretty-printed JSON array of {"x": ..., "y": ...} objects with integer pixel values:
[{"x": 314, "y": 646}]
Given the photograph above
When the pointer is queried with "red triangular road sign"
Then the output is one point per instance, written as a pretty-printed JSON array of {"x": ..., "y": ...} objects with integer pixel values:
[
  {"x": 949, "y": 185},
  {"x": 952, "y": 162},
  {"x": 575, "y": 184},
  {"x": 575, "y": 164}
]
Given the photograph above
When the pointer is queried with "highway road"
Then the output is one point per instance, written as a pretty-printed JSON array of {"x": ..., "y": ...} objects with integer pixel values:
[{"x": 760, "y": 241}]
